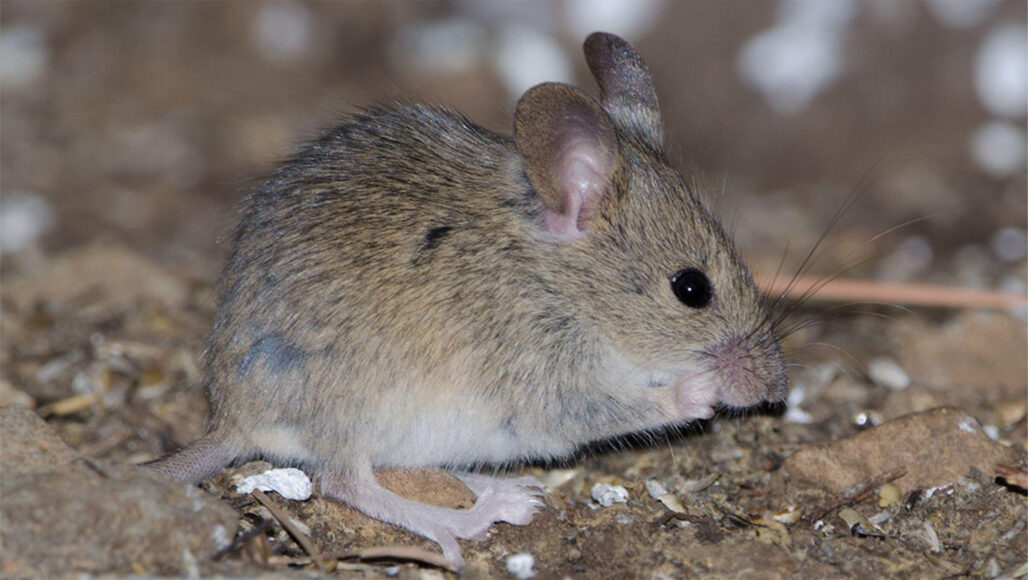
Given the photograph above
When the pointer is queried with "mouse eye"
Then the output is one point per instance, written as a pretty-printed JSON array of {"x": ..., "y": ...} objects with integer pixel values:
[{"x": 692, "y": 288}]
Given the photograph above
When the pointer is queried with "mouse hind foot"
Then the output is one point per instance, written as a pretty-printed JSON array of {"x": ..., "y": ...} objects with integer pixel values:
[{"x": 513, "y": 501}]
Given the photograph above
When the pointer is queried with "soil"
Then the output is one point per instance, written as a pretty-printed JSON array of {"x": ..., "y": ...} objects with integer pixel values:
[{"x": 902, "y": 453}]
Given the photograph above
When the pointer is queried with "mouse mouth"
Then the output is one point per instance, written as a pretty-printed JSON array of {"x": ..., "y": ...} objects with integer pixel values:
[
  {"x": 738, "y": 373},
  {"x": 747, "y": 371}
]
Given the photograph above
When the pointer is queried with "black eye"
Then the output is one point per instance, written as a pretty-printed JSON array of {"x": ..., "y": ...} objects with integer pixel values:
[{"x": 692, "y": 287}]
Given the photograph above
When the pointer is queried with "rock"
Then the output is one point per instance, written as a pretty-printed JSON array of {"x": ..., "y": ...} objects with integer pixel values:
[
  {"x": 63, "y": 513},
  {"x": 935, "y": 447},
  {"x": 112, "y": 275},
  {"x": 970, "y": 355},
  {"x": 29, "y": 445}
]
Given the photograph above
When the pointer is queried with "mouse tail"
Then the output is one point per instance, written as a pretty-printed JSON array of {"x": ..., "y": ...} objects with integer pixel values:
[{"x": 204, "y": 458}]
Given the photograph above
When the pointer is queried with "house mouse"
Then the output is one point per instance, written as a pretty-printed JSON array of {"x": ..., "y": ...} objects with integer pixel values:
[{"x": 413, "y": 290}]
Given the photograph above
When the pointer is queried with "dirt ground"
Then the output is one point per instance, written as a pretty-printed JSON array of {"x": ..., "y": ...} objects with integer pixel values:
[{"x": 902, "y": 452}]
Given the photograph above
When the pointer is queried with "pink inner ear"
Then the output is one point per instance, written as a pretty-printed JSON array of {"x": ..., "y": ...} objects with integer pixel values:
[{"x": 582, "y": 171}]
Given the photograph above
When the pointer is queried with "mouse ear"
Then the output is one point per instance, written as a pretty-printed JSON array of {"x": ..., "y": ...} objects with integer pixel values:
[
  {"x": 626, "y": 87},
  {"x": 570, "y": 153}
]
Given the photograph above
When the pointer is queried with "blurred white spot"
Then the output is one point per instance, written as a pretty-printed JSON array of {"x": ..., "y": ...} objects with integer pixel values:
[
  {"x": 913, "y": 257},
  {"x": 1015, "y": 284},
  {"x": 23, "y": 56},
  {"x": 999, "y": 148},
  {"x": 282, "y": 32},
  {"x": 1010, "y": 244},
  {"x": 1000, "y": 71},
  {"x": 627, "y": 18},
  {"x": 289, "y": 483},
  {"x": 526, "y": 56},
  {"x": 521, "y": 565},
  {"x": 190, "y": 565},
  {"x": 793, "y": 413},
  {"x": 971, "y": 265},
  {"x": 221, "y": 537},
  {"x": 887, "y": 373},
  {"x": 443, "y": 47},
  {"x": 24, "y": 218},
  {"x": 961, "y": 13},
  {"x": 607, "y": 495},
  {"x": 969, "y": 424},
  {"x": 166, "y": 146},
  {"x": 991, "y": 431},
  {"x": 792, "y": 62},
  {"x": 817, "y": 13}
]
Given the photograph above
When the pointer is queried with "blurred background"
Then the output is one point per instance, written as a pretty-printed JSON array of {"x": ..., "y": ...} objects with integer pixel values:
[{"x": 144, "y": 123}]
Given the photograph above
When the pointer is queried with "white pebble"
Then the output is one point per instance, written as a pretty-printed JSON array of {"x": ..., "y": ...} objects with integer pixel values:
[
  {"x": 290, "y": 483},
  {"x": 655, "y": 489},
  {"x": 887, "y": 373},
  {"x": 607, "y": 495},
  {"x": 521, "y": 565},
  {"x": 969, "y": 425},
  {"x": 998, "y": 148},
  {"x": 1000, "y": 71}
]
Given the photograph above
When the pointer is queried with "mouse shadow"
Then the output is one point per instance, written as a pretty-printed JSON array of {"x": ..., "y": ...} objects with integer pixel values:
[{"x": 658, "y": 438}]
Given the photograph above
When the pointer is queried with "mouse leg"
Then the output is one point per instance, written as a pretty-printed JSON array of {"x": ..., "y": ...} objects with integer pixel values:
[
  {"x": 485, "y": 485},
  {"x": 514, "y": 501}
]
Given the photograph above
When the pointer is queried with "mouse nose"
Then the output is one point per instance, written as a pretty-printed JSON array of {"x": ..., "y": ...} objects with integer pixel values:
[{"x": 750, "y": 369}]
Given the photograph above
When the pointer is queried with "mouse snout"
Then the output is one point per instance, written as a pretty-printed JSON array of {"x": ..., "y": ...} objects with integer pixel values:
[{"x": 749, "y": 370}]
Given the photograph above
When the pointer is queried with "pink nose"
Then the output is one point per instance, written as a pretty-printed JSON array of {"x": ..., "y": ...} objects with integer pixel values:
[{"x": 749, "y": 370}]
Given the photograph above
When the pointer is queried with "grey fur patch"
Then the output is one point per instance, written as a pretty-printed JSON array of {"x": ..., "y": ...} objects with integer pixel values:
[{"x": 278, "y": 354}]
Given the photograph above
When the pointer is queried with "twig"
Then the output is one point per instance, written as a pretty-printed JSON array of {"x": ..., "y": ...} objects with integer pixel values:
[
  {"x": 398, "y": 553},
  {"x": 856, "y": 290},
  {"x": 287, "y": 523},
  {"x": 409, "y": 553},
  {"x": 857, "y": 492}
]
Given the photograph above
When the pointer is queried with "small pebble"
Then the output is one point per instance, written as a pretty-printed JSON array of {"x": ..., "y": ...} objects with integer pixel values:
[
  {"x": 889, "y": 495},
  {"x": 607, "y": 495},
  {"x": 661, "y": 494},
  {"x": 790, "y": 515},
  {"x": 887, "y": 373},
  {"x": 521, "y": 565},
  {"x": 865, "y": 419}
]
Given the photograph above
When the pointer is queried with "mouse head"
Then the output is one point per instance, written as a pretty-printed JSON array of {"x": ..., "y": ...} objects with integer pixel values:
[{"x": 651, "y": 268}]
